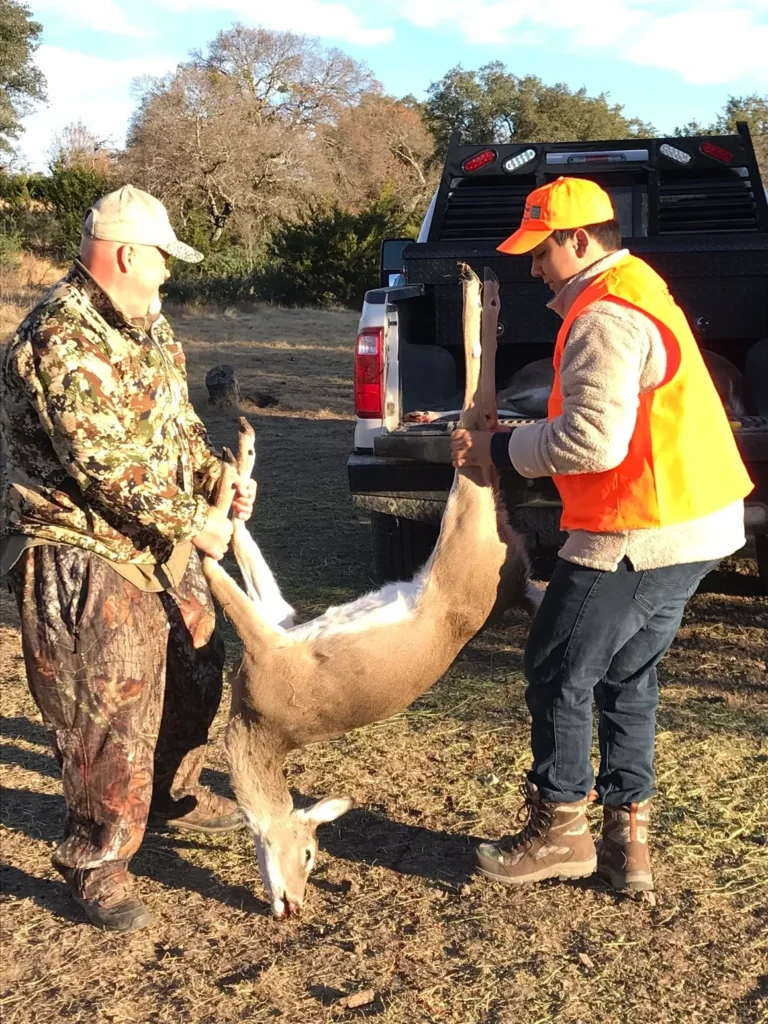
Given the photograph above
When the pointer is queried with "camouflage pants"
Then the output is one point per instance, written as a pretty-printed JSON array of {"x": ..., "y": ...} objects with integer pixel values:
[{"x": 128, "y": 684}]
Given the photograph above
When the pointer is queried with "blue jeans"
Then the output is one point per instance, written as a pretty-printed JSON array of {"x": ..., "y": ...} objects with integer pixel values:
[{"x": 601, "y": 634}]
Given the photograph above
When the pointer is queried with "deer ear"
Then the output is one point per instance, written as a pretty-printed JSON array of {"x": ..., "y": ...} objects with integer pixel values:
[{"x": 328, "y": 809}]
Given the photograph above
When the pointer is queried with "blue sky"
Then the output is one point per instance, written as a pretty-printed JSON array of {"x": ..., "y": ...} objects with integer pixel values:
[{"x": 667, "y": 61}]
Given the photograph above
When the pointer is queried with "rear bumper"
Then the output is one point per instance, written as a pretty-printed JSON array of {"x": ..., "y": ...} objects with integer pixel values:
[
  {"x": 419, "y": 490},
  {"x": 416, "y": 489}
]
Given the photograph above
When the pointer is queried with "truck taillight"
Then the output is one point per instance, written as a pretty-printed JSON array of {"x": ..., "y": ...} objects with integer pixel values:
[
  {"x": 369, "y": 371},
  {"x": 477, "y": 160},
  {"x": 716, "y": 152}
]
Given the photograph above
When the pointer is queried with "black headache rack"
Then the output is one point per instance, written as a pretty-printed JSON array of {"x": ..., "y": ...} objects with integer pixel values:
[
  {"x": 660, "y": 187},
  {"x": 694, "y": 208}
]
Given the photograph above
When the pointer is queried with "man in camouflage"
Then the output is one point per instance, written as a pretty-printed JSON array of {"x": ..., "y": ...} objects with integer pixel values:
[{"x": 110, "y": 479}]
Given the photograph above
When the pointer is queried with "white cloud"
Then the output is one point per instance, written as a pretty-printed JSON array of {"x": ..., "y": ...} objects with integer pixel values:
[
  {"x": 94, "y": 90},
  {"x": 706, "y": 46},
  {"x": 307, "y": 17},
  {"x": 101, "y": 15},
  {"x": 705, "y": 41}
]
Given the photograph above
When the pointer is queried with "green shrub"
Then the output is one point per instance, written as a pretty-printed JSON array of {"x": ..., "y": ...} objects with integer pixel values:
[
  {"x": 10, "y": 249},
  {"x": 226, "y": 276},
  {"x": 46, "y": 210},
  {"x": 330, "y": 257},
  {"x": 68, "y": 192}
]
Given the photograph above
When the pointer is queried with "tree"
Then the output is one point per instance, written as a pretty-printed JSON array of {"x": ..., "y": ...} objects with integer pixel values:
[
  {"x": 21, "y": 83},
  {"x": 234, "y": 132},
  {"x": 288, "y": 76},
  {"x": 493, "y": 105},
  {"x": 378, "y": 144},
  {"x": 754, "y": 110},
  {"x": 198, "y": 144},
  {"x": 77, "y": 146}
]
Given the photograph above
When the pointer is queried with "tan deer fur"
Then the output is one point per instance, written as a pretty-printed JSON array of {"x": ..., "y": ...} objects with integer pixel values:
[{"x": 368, "y": 659}]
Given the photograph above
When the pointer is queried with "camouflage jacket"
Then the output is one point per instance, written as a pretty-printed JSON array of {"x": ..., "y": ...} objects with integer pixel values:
[{"x": 103, "y": 448}]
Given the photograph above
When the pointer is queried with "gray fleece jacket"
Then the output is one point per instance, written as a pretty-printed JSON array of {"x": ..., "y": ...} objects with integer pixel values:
[{"x": 612, "y": 355}]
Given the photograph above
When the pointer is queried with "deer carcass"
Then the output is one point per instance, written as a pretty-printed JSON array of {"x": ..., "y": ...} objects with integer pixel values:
[{"x": 366, "y": 660}]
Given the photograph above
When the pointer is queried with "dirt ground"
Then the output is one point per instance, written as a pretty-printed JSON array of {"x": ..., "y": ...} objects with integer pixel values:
[{"x": 393, "y": 905}]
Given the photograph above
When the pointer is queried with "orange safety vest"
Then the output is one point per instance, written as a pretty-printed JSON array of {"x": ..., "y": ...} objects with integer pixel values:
[{"x": 682, "y": 462}]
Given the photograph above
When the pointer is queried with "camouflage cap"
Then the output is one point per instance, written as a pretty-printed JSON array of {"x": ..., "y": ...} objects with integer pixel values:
[{"x": 132, "y": 216}]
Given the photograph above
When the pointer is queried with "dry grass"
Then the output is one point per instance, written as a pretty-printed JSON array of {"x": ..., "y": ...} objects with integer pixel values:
[
  {"x": 393, "y": 906},
  {"x": 20, "y": 289}
]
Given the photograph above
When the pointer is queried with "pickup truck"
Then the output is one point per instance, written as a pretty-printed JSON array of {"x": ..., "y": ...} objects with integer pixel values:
[{"x": 694, "y": 208}]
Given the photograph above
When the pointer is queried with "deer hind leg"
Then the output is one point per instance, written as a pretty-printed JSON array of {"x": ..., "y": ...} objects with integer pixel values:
[
  {"x": 260, "y": 584},
  {"x": 471, "y": 413},
  {"x": 490, "y": 323}
]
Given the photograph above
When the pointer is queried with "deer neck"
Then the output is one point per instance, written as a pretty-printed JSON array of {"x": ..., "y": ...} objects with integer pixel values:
[{"x": 256, "y": 762}]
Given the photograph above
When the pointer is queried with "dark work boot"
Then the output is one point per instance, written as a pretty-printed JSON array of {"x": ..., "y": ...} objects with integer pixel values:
[
  {"x": 622, "y": 852},
  {"x": 107, "y": 897},
  {"x": 555, "y": 843},
  {"x": 203, "y": 812}
]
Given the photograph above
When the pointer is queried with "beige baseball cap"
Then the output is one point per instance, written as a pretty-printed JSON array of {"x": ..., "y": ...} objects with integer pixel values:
[{"x": 132, "y": 216}]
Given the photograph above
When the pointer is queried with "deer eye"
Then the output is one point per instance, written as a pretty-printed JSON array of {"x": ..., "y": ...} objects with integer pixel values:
[{"x": 307, "y": 856}]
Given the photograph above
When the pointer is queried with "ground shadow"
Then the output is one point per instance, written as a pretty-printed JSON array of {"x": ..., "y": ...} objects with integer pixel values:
[
  {"x": 48, "y": 894},
  {"x": 30, "y": 760},
  {"x": 750, "y": 1006},
  {"x": 39, "y": 816},
  {"x": 370, "y": 837},
  {"x": 25, "y": 729},
  {"x": 159, "y": 858},
  {"x": 730, "y": 583}
]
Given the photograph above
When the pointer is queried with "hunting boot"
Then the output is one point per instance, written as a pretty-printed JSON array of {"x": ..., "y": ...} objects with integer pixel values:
[
  {"x": 555, "y": 843},
  {"x": 622, "y": 855},
  {"x": 107, "y": 897},
  {"x": 203, "y": 812}
]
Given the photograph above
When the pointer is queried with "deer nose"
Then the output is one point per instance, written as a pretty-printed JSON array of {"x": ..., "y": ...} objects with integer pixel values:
[{"x": 292, "y": 907}]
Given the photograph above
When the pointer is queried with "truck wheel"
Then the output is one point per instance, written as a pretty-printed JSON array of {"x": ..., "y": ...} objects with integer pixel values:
[
  {"x": 400, "y": 546},
  {"x": 761, "y": 547}
]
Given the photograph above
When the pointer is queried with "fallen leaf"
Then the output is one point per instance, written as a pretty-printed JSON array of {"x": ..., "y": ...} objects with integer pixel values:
[
  {"x": 358, "y": 999},
  {"x": 588, "y": 962}
]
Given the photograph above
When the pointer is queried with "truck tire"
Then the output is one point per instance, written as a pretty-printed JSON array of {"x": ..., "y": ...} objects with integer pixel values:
[
  {"x": 761, "y": 547},
  {"x": 400, "y": 546}
]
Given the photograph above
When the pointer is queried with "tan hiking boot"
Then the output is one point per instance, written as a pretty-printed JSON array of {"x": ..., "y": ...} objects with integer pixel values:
[
  {"x": 555, "y": 843},
  {"x": 107, "y": 897},
  {"x": 623, "y": 858},
  {"x": 203, "y": 812}
]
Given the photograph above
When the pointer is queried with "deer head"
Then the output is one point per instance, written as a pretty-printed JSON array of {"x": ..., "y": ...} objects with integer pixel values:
[{"x": 286, "y": 848}]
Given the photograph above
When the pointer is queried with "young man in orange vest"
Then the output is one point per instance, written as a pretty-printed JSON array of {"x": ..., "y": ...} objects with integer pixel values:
[{"x": 652, "y": 485}]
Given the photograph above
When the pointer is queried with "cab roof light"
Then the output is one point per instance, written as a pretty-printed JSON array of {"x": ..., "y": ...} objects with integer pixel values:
[
  {"x": 606, "y": 156},
  {"x": 673, "y": 153},
  {"x": 512, "y": 163},
  {"x": 477, "y": 160},
  {"x": 725, "y": 156}
]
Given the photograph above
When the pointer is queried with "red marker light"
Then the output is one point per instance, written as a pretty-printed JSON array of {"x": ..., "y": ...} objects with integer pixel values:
[
  {"x": 716, "y": 152},
  {"x": 478, "y": 160}
]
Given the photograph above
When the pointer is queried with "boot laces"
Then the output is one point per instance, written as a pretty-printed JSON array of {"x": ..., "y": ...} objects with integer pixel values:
[{"x": 538, "y": 818}]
